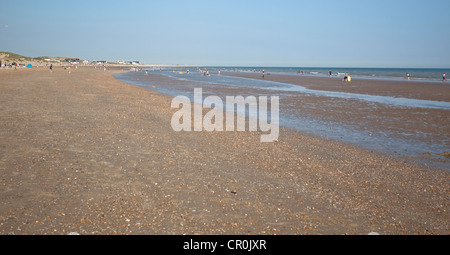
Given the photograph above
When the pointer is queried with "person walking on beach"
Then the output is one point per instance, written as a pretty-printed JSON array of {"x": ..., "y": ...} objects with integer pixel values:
[
  {"x": 51, "y": 68},
  {"x": 346, "y": 77}
]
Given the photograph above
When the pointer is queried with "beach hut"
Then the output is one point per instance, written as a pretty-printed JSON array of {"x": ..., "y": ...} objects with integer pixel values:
[{"x": 29, "y": 66}]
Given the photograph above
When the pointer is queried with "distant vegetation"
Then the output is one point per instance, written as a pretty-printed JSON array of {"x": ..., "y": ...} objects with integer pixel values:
[{"x": 11, "y": 57}]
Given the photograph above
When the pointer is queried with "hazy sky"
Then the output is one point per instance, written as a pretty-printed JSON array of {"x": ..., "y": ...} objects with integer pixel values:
[{"x": 360, "y": 33}]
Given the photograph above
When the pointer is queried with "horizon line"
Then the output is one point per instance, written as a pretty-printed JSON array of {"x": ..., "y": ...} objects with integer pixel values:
[
  {"x": 331, "y": 67},
  {"x": 259, "y": 66}
]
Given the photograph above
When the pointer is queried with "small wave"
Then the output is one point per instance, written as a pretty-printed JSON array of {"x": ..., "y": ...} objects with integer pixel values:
[{"x": 366, "y": 75}]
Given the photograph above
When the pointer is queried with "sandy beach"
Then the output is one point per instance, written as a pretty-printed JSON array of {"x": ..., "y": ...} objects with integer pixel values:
[
  {"x": 406, "y": 119},
  {"x": 87, "y": 153}
]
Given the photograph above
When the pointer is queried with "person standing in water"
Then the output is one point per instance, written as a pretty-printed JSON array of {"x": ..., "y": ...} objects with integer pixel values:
[
  {"x": 443, "y": 77},
  {"x": 407, "y": 76}
]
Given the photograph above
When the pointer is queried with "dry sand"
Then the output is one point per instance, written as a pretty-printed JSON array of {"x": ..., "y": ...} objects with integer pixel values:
[{"x": 86, "y": 153}]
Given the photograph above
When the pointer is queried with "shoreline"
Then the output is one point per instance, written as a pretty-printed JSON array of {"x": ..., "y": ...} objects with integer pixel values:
[
  {"x": 437, "y": 91},
  {"x": 87, "y": 153},
  {"x": 356, "y": 76}
]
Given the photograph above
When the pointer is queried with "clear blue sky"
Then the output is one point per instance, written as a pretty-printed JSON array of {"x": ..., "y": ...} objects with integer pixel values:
[{"x": 360, "y": 33}]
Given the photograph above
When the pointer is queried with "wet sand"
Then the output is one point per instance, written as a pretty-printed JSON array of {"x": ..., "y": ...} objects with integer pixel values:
[
  {"x": 87, "y": 153},
  {"x": 429, "y": 127}
]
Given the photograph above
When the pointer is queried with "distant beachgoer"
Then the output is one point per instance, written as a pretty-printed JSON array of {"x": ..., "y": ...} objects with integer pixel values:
[
  {"x": 408, "y": 76},
  {"x": 263, "y": 73},
  {"x": 219, "y": 72},
  {"x": 443, "y": 77},
  {"x": 346, "y": 77},
  {"x": 51, "y": 68},
  {"x": 329, "y": 73}
]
